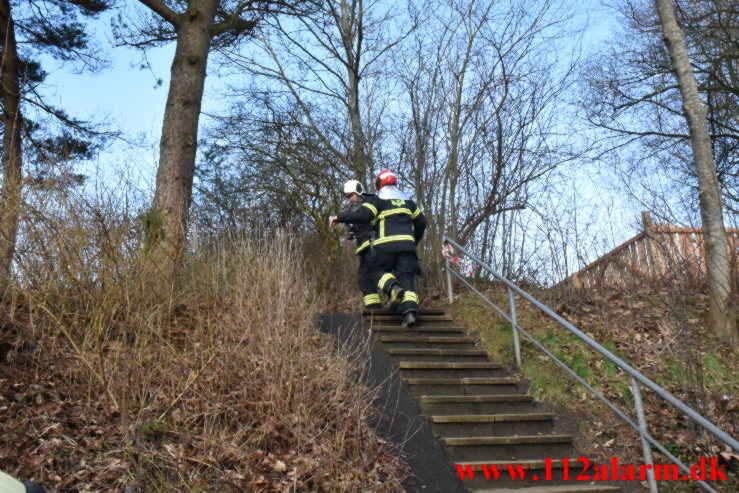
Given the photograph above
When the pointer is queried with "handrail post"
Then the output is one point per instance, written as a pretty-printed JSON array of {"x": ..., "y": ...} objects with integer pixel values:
[
  {"x": 448, "y": 280},
  {"x": 514, "y": 326},
  {"x": 646, "y": 449}
]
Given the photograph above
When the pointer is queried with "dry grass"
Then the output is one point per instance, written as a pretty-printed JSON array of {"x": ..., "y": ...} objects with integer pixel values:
[{"x": 225, "y": 386}]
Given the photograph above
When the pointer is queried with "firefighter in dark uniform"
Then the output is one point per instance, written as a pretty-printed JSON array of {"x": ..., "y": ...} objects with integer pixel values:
[
  {"x": 362, "y": 234},
  {"x": 399, "y": 227}
]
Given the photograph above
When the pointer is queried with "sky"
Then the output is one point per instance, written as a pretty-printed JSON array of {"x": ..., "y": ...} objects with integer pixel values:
[
  {"x": 124, "y": 96},
  {"x": 129, "y": 99}
]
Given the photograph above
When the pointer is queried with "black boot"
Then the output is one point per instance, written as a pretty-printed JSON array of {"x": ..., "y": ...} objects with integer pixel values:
[
  {"x": 396, "y": 294},
  {"x": 409, "y": 319}
]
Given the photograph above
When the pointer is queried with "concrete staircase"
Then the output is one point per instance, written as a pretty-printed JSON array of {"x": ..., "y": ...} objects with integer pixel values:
[{"x": 478, "y": 413}]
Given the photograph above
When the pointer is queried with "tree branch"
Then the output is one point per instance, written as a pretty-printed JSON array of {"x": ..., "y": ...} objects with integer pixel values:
[
  {"x": 163, "y": 11},
  {"x": 234, "y": 23}
]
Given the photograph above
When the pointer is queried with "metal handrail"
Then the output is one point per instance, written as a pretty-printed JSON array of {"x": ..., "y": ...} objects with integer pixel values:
[{"x": 637, "y": 377}]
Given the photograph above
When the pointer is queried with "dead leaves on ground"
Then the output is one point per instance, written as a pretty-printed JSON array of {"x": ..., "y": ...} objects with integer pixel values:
[
  {"x": 226, "y": 434},
  {"x": 663, "y": 335}
]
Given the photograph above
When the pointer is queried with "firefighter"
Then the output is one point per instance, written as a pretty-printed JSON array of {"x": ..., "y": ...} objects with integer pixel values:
[
  {"x": 362, "y": 233},
  {"x": 399, "y": 227}
]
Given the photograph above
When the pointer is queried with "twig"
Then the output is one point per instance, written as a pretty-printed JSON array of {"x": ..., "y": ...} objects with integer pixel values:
[
  {"x": 187, "y": 387},
  {"x": 81, "y": 356}
]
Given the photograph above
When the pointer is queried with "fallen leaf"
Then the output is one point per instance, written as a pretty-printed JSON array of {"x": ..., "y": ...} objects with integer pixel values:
[{"x": 279, "y": 466}]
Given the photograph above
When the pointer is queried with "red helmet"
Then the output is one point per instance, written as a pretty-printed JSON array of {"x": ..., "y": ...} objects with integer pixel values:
[{"x": 386, "y": 177}]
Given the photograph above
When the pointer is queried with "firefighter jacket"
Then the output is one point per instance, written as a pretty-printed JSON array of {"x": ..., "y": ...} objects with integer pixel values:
[
  {"x": 398, "y": 224},
  {"x": 363, "y": 232}
]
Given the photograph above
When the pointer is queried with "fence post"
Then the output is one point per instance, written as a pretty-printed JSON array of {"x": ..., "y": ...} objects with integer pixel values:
[
  {"x": 514, "y": 325},
  {"x": 448, "y": 280},
  {"x": 646, "y": 220},
  {"x": 656, "y": 260},
  {"x": 646, "y": 450}
]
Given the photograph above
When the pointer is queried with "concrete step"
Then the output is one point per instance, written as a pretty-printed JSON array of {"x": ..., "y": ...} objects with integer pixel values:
[
  {"x": 416, "y": 326},
  {"x": 479, "y": 415},
  {"x": 534, "y": 473},
  {"x": 438, "y": 355},
  {"x": 427, "y": 342},
  {"x": 427, "y": 331},
  {"x": 427, "y": 365},
  {"x": 569, "y": 488},
  {"x": 487, "y": 425},
  {"x": 461, "y": 386},
  {"x": 439, "y": 405},
  {"x": 514, "y": 447},
  {"x": 421, "y": 318},
  {"x": 436, "y": 329},
  {"x": 450, "y": 370},
  {"x": 525, "y": 471},
  {"x": 422, "y": 311}
]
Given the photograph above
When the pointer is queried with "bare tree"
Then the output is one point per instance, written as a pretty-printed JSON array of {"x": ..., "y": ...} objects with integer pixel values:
[
  {"x": 312, "y": 112},
  {"x": 717, "y": 261},
  {"x": 631, "y": 95},
  {"x": 484, "y": 100},
  {"x": 12, "y": 160},
  {"x": 321, "y": 64},
  {"x": 288, "y": 175},
  {"x": 196, "y": 26},
  {"x": 466, "y": 109}
]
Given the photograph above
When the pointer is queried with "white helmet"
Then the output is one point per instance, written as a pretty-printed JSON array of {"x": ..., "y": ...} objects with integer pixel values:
[{"x": 353, "y": 186}]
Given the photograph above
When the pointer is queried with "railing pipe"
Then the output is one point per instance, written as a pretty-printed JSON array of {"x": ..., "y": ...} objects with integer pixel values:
[
  {"x": 618, "y": 412},
  {"x": 717, "y": 432},
  {"x": 484, "y": 298},
  {"x": 554, "y": 358},
  {"x": 514, "y": 327},
  {"x": 592, "y": 390},
  {"x": 448, "y": 280},
  {"x": 646, "y": 450},
  {"x": 679, "y": 463}
]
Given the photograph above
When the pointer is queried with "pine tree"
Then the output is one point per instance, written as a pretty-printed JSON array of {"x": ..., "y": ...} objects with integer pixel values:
[{"x": 28, "y": 30}]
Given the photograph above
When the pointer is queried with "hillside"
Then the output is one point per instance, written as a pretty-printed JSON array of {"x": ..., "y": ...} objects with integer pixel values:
[
  {"x": 231, "y": 388},
  {"x": 671, "y": 347}
]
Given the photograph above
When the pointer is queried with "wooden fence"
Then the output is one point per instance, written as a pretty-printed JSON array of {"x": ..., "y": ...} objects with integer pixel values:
[{"x": 662, "y": 252}]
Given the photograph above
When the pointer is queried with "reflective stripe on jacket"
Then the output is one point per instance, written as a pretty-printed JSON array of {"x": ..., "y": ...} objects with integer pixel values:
[{"x": 399, "y": 224}]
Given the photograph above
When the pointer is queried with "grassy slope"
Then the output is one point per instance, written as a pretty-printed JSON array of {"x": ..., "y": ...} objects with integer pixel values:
[
  {"x": 642, "y": 330},
  {"x": 229, "y": 387}
]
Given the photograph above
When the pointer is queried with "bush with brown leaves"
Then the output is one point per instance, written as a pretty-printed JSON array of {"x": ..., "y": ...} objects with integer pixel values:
[{"x": 224, "y": 386}]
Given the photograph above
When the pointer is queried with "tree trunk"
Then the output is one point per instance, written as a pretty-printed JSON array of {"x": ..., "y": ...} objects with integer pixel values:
[
  {"x": 452, "y": 166},
  {"x": 359, "y": 159},
  {"x": 10, "y": 198},
  {"x": 351, "y": 29},
  {"x": 717, "y": 260},
  {"x": 167, "y": 221}
]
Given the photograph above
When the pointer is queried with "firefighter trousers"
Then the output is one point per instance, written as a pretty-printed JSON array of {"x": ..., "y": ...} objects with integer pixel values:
[
  {"x": 398, "y": 267},
  {"x": 367, "y": 283}
]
